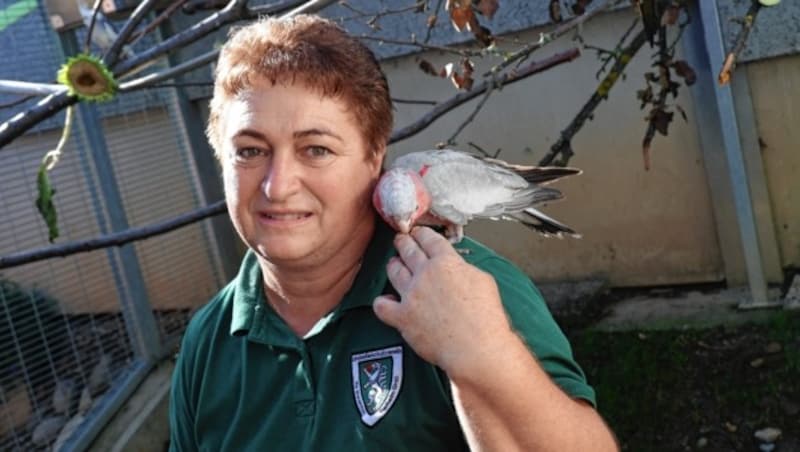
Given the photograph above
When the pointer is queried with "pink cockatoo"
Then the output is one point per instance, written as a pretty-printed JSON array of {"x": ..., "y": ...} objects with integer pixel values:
[{"x": 449, "y": 188}]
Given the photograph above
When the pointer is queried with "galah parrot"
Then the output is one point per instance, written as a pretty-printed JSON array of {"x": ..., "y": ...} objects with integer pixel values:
[{"x": 449, "y": 188}]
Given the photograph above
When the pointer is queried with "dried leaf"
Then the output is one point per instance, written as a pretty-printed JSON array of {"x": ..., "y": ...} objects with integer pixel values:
[
  {"x": 645, "y": 95},
  {"x": 579, "y": 7},
  {"x": 428, "y": 68},
  {"x": 683, "y": 69},
  {"x": 487, "y": 7},
  {"x": 467, "y": 66},
  {"x": 660, "y": 120},
  {"x": 555, "y": 11},
  {"x": 482, "y": 34},
  {"x": 460, "y": 13},
  {"x": 461, "y": 81},
  {"x": 449, "y": 69},
  {"x": 670, "y": 16},
  {"x": 44, "y": 202}
]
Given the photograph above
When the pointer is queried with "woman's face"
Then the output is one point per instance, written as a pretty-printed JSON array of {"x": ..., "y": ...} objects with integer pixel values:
[{"x": 298, "y": 174}]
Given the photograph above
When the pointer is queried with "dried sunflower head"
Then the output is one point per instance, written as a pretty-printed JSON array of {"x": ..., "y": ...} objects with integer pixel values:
[{"x": 88, "y": 78}]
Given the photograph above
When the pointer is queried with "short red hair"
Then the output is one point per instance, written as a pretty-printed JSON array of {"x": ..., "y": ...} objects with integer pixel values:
[{"x": 311, "y": 50}]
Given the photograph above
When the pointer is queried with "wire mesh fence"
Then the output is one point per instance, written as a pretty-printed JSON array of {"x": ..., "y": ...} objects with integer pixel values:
[{"x": 75, "y": 331}]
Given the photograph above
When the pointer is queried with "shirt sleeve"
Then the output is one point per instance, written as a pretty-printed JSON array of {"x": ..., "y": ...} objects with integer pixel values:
[
  {"x": 181, "y": 406},
  {"x": 533, "y": 321}
]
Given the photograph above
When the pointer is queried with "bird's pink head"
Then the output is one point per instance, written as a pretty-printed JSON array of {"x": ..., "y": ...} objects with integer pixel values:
[{"x": 401, "y": 198}]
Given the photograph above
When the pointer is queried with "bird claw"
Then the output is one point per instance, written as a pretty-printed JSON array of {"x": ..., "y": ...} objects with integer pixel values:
[{"x": 463, "y": 251}]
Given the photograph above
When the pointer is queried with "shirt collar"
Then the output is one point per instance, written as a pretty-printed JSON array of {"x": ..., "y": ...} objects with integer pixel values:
[{"x": 248, "y": 296}]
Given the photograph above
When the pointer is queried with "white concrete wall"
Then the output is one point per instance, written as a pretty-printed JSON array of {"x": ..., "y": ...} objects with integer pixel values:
[{"x": 775, "y": 90}]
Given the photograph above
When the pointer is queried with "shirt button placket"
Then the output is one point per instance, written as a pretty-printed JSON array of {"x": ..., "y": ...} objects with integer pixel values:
[{"x": 304, "y": 385}]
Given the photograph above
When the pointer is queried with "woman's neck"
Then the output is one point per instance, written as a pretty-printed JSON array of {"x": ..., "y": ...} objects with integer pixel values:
[{"x": 303, "y": 295}]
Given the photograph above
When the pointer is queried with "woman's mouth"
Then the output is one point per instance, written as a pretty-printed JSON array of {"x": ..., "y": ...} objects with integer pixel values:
[
  {"x": 288, "y": 219},
  {"x": 286, "y": 216}
]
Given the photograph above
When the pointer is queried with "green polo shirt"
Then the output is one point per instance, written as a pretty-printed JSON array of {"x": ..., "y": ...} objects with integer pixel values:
[{"x": 245, "y": 382}]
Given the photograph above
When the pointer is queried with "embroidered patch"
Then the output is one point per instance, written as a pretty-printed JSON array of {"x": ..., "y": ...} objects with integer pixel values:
[{"x": 377, "y": 377}]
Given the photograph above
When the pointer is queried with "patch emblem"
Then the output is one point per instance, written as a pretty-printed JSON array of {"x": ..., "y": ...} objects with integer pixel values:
[{"x": 377, "y": 377}]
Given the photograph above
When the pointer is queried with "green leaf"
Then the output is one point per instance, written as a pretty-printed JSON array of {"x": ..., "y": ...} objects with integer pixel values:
[{"x": 44, "y": 202}]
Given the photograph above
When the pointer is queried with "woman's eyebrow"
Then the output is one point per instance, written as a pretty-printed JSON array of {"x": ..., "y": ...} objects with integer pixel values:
[{"x": 317, "y": 131}]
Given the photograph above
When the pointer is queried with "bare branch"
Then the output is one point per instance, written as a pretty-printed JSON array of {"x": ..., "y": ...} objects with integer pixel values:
[
  {"x": 413, "y": 101},
  {"x": 311, "y": 6},
  {"x": 26, "y": 88},
  {"x": 375, "y": 16},
  {"x": 272, "y": 9},
  {"x": 414, "y": 43},
  {"x": 157, "y": 21},
  {"x": 112, "y": 55},
  {"x": 16, "y": 102},
  {"x": 115, "y": 239},
  {"x": 471, "y": 117},
  {"x": 741, "y": 39},
  {"x": 483, "y": 151},
  {"x": 151, "y": 79},
  {"x": 431, "y": 25},
  {"x": 501, "y": 80},
  {"x": 229, "y": 14},
  {"x": 45, "y": 108},
  {"x": 563, "y": 146},
  {"x": 547, "y": 38},
  {"x": 95, "y": 10}
]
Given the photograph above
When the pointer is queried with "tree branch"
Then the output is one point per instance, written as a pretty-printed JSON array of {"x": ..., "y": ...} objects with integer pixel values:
[
  {"x": 452, "y": 140},
  {"x": 30, "y": 88},
  {"x": 112, "y": 55},
  {"x": 95, "y": 9},
  {"x": 413, "y": 101},
  {"x": 741, "y": 39},
  {"x": 501, "y": 80},
  {"x": 547, "y": 38},
  {"x": 231, "y": 13},
  {"x": 45, "y": 108},
  {"x": 235, "y": 10},
  {"x": 156, "y": 77},
  {"x": 115, "y": 239},
  {"x": 563, "y": 146},
  {"x": 413, "y": 43},
  {"x": 157, "y": 21},
  {"x": 377, "y": 15}
]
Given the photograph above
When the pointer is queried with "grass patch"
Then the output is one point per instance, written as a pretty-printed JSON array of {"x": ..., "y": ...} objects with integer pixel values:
[{"x": 665, "y": 390}]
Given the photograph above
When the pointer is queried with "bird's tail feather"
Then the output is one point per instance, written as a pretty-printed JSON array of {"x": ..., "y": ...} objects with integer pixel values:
[{"x": 542, "y": 223}]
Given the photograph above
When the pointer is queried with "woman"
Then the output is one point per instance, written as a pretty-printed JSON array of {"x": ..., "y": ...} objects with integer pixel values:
[{"x": 337, "y": 334}]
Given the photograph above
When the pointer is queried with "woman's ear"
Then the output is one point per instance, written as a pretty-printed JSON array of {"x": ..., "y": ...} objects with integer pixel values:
[{"x": 377, "y": 158}]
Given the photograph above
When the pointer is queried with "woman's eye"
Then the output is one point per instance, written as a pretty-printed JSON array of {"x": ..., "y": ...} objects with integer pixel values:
[
  {"x": 318, "y": 151},
  {"x": 248, "y": 153}
]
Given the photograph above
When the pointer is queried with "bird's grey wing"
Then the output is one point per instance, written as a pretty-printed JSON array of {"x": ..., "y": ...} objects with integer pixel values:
[
  {"x": 523, "y": 199},
  {"x": 469, "y": 189}
]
